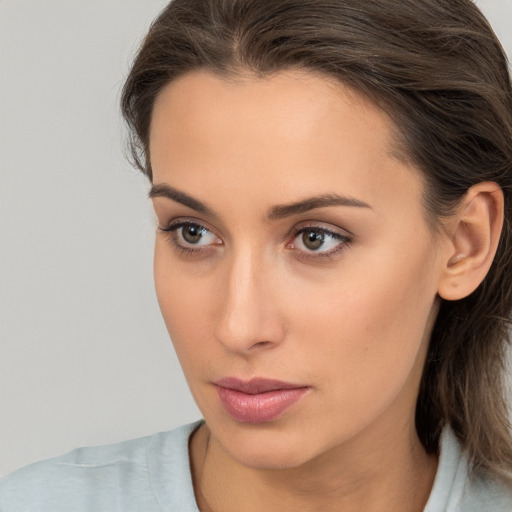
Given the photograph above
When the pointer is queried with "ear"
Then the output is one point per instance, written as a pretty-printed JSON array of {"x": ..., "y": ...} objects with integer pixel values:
[{"x": 474, "y": 233}]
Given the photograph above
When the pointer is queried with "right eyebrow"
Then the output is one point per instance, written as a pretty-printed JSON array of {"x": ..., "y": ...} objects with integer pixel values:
[
  {"x": 164, "y": 190},
  {"x": 312, "y": 203}
]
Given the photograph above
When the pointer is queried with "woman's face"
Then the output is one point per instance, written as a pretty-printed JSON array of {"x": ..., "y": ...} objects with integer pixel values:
[{"x": 296, "y": 250}]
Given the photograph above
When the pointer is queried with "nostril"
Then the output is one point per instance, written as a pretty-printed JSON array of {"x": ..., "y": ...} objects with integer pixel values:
[{"x": 261, "y": 344}]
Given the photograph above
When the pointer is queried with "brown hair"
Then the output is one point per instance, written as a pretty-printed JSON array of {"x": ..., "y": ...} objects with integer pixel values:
[{"x": 439, "y": 71}]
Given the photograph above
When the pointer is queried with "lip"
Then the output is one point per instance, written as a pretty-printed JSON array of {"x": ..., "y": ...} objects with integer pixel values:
[{"x": 258, "y": 400}]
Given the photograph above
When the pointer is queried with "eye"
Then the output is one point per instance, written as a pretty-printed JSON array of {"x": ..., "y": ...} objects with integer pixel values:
[
  {"x": 191, "y": 236},
  {"x": 318, "y": 240},
  {"x": 195, "y": 234}
]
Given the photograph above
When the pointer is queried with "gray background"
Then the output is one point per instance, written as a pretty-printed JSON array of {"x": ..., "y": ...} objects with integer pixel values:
[{"x": 84, "y": 355}]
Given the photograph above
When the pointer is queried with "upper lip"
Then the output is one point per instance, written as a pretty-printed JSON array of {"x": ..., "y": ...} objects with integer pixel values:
[{"x": 255, "y": 385}]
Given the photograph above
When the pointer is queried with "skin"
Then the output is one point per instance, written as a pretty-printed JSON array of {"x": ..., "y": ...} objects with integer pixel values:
[{"x": 350, "y": 320}]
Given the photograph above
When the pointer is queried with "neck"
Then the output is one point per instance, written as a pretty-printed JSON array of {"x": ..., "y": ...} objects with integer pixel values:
[{"x": 376, "y": 471}]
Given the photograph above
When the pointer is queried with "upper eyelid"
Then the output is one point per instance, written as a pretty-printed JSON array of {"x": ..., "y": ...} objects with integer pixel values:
[
  {"x": 325, "y": 227},
  {"x": 171, "y": 232},
  {"x": 320, "y": 226},
  {"x": 176, "y": 225},
  {"x": 320, "y": 229},
  {"x": 181, "y": 221},
  {"x": 342, "y": 239},
  {"x": 342, "y": 243}
]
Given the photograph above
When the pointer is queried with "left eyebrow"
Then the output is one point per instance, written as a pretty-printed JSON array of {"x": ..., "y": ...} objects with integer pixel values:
[
  {"x": 275, "y": 213},
  {"x": 281, "y": 211},
  {"x": 164, "y": 190}
]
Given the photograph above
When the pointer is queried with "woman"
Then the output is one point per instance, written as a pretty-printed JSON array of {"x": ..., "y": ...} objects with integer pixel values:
[{"x": 332, "y": 181}]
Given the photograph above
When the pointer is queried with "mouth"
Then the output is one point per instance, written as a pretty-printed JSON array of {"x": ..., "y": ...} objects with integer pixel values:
[{"x": 258, "y": 400}]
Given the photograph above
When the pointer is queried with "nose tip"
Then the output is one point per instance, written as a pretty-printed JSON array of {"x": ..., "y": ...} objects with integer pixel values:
[
  {"x": 249, "y": 320},
  {"x": 245, "y": 330}
]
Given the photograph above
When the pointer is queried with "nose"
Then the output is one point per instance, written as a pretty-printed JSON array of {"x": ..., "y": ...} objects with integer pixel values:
[{"x": 249, "y": 318}]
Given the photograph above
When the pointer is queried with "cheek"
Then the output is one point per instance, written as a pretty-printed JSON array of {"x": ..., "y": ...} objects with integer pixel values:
[
  {"x": 368, "y": 324},
  {"x": 178, "y": 299},
  {"x": 357, "y": 327},
  {"x": 189, "y": 298}
]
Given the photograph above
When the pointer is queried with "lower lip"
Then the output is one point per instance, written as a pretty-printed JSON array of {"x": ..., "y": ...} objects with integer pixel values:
[{"x": 261, "y": 407}]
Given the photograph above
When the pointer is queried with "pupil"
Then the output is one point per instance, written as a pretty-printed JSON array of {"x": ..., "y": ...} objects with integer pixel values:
[
  {"x": 313, "y": 240},
  {"x": 192, "y": 234}
]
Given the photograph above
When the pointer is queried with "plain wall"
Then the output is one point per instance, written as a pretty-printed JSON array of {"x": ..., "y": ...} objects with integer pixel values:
[{"x": 84, "y": 354}]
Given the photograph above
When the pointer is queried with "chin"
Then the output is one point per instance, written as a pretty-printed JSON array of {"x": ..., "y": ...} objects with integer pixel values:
[
  {"x": 267, "y": 459},
  {"x": 267, "y": 447}
]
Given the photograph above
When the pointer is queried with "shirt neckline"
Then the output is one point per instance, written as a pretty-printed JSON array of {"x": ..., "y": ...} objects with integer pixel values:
[
  {"x": 167, "y": 458},
  {"x": 451, "y": 476}
]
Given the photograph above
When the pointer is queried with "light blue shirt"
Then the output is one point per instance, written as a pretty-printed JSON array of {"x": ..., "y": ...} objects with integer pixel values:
[{"x": 152, "y": 474}]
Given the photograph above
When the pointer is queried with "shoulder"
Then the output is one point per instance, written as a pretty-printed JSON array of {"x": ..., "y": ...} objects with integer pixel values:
[
  {"x": 134, "y": 475},
  {"x": 483, "y": 491},
  {"x": 458, "y": 488}
]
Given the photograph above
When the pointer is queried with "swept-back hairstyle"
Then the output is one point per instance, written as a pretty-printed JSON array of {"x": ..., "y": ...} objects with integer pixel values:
[{"x": 438, "y": 70}]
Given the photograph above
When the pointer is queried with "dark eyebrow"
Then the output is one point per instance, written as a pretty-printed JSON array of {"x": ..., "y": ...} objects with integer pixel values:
[
  {"x": 281, "y": 211},
  {"x": 163, "y": 190},
  {"x": 275, "y": 213}
]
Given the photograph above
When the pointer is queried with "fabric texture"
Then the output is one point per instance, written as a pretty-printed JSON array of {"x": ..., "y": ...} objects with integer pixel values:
[{"x": 152, "y": 474}]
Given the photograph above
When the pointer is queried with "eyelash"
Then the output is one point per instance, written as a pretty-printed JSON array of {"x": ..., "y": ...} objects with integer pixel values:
[
  {"x": 172, "y": 230},
  {"x": 344, "y": 240}
]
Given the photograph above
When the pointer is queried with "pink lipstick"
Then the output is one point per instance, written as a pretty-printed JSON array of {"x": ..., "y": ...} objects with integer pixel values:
[{"x": 257, "y": 400}]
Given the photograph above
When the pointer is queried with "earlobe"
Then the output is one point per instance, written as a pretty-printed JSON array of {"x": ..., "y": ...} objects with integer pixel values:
[{"x": 474, "y": 236}]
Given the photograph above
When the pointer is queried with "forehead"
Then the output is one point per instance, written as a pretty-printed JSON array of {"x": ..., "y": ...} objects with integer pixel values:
[
  {"x": 293, "y": 127},
  {"x": 295, "y": 101}
]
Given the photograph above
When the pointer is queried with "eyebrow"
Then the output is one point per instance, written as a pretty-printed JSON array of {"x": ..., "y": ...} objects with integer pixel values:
[
  {"x": 322, "y": 201},
  {"x": 163, "y": 190},
  {"x": 275, "y": 213}
]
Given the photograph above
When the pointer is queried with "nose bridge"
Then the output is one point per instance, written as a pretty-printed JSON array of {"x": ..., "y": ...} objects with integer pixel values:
[{"x": 248, "y": 317}]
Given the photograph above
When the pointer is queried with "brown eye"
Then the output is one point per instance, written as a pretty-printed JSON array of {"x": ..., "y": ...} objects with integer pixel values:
[
  {"x": 318, "y": 241},
  {"x": 313, "y": 240},
  {"x": 192, "y": 233},
  {"x": 191, "y": 237}
]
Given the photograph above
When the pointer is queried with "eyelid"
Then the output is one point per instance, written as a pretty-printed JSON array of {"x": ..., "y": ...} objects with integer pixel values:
[
  {"x": 176, "y": 222},
  {"x": 344, "y": 237},
  {"x": 185, "y": 248},
  {"x": 326, "y": 227}
]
